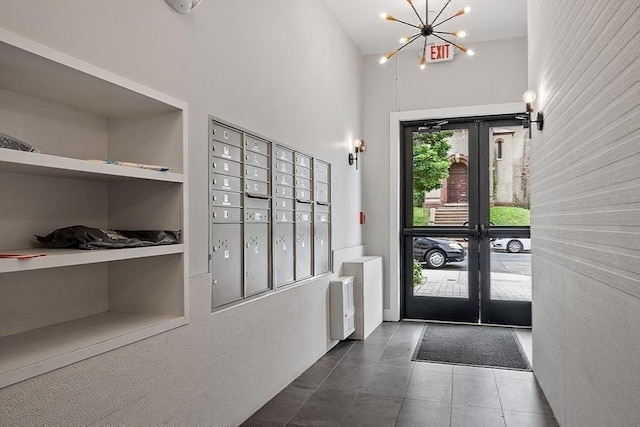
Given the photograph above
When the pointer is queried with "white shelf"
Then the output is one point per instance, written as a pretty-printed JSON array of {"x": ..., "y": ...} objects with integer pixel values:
[
  {"x": 41, "y": 350},
  {"x": 35, "y": 70},
  {"x": 23, "y": 162},
  {"x": 75, "y": 112},
  {"x": 69, "y": 257}
]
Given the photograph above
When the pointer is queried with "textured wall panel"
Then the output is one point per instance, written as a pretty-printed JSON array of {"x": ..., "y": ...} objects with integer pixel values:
[{"x": 585, "y": 198}]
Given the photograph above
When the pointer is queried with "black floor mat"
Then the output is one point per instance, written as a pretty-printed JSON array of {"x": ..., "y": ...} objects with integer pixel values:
[{"x": 489, "y": 346}]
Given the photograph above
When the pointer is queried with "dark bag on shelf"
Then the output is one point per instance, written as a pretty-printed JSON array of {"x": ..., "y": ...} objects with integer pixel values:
[{"x": 81, "y": 237}]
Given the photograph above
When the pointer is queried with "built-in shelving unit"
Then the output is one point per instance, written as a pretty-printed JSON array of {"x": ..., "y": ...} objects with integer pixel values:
[{"x": 72, "y": 304}]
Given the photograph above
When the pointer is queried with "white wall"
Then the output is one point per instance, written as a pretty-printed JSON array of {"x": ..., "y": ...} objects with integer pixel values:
[
  {"x": 283, "y": 69},
  {"x": 585, "y": 217},
  {"x": 400, "y": 85}
]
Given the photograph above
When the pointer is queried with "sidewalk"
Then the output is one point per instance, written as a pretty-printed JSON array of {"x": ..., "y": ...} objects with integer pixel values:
[{"x": 455, "y": 284}]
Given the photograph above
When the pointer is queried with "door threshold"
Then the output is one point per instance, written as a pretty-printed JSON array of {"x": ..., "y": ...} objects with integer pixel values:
[{"x": 450, "y": 322}]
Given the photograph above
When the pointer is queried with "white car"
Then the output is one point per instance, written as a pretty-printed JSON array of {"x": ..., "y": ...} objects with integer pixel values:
[{"x": 512, "y": 245}]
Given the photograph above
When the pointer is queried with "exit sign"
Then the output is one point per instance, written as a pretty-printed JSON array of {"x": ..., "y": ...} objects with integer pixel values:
[{"x": 440, "y": 52}]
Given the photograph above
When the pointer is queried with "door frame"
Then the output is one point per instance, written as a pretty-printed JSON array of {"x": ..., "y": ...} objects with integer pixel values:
[{"x": 392, "y": 313}]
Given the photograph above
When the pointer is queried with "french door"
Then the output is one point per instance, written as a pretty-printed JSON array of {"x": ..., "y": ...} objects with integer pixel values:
[{"x": 465, "y": 246}]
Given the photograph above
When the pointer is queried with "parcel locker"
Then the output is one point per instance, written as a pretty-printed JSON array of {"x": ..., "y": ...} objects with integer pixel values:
[
  {"x": 226, "y": 151},
  {"x": 303, "y": 248},
  {"x": 284, "y": 248},
  {"x": 256, "y": 256},
  {"x": 322, "y": 240},
  {"x": 256, "y": 246},
  {"x": 226, "y": 263},
  {"x": 224, "y": 134},
  {"x": 225, "y": 167}
]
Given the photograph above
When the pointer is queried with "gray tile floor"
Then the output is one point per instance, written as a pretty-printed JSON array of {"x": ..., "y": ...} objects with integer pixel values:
[{"x": 374, "y": 383}]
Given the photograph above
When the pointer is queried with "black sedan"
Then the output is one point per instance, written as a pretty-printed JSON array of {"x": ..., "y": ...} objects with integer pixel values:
[{"x": 435, "y": 253}]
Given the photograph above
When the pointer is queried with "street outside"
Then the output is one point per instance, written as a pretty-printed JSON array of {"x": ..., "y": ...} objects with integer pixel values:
[{"x": 510, "y": 278}]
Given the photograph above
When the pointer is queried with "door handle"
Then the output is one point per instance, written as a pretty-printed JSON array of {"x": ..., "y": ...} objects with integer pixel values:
[{"x": 476, "y": 232}]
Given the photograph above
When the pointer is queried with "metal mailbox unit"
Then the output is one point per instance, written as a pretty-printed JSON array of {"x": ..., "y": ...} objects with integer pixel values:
[
  {"x": 225, "y": 161},
  {"x": 270, "y": 214},
  {"x": 257, "y": 206},
  {"x": 240, "y": 207},
  {"x": 304, "y": 216},
  {"x": 284, "y": 228},
  {"x": 322, "y": 218}
]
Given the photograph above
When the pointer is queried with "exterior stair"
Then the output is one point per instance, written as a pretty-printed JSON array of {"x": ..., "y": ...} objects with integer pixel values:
[{"x": 451, "y": 214}]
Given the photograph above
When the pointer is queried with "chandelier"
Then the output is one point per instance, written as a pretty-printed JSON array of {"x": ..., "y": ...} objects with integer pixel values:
[{"x": 426, "y": 29}]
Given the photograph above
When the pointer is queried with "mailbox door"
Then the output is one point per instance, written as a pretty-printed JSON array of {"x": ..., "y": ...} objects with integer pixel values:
[
  {"x": 303, "y": 250},
  {"x": 256, "y": 257},
  {"x": 284, "y": 252},
  {"x": 321, "y": 248},
  {"x": 226, "y": 264}
]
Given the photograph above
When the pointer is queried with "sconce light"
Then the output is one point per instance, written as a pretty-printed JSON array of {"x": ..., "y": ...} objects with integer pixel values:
[
  {"x": 358, "y": 147},
  {"x": 528, "y": 97},
  {"x": 183, "y": 6}
]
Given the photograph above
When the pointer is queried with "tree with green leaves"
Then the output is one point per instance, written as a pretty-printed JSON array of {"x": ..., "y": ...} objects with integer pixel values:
[{"x": 430, "y": 162}]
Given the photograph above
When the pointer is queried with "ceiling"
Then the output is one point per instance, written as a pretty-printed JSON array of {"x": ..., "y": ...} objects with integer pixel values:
[{"x": 488, "y": 20}]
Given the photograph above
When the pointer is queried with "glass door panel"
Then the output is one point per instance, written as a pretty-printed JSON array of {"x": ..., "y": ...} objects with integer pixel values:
[
  {"x": 440, "y": 170},
  {"x": 507, "y": 298},
  {"x": 511, "y": 269},
  {"x": 440, "y": 268},
  {"x": 438, "y": 179}
]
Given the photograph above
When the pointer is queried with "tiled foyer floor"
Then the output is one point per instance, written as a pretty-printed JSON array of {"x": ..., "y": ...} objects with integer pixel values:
[{"x": 375, "y": 383}]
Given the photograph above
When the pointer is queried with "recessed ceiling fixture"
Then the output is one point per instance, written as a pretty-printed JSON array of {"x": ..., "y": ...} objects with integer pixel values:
[{"x": 427, "y": 29}]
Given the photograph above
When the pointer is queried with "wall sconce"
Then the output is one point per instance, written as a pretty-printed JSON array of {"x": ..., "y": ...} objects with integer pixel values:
[
  {"x": 183, "y": 6},
  {"x": 358, "y": 147},
  {"x": 528, "y": 97}
]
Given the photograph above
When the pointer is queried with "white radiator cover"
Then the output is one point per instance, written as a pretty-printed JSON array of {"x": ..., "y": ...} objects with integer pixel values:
[
  {"x": 342, "y": 308},
  {"x": 367, "y": 273}
]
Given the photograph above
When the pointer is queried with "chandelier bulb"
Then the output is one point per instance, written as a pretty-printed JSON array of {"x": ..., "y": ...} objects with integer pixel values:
[
  {"x": 460, "y": 34},
  {"x": 463, "y": 11},
  {"x": 403, "y": 40},
  {"x": 387, "y": 56},
  {"x": 423, "y": 62},
  {"x": 387, "y": 17},
  {"x": 470, "y": 52}
]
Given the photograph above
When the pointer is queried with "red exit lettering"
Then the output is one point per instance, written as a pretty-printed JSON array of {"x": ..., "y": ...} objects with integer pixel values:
[{"x": 439, "y": 51}]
